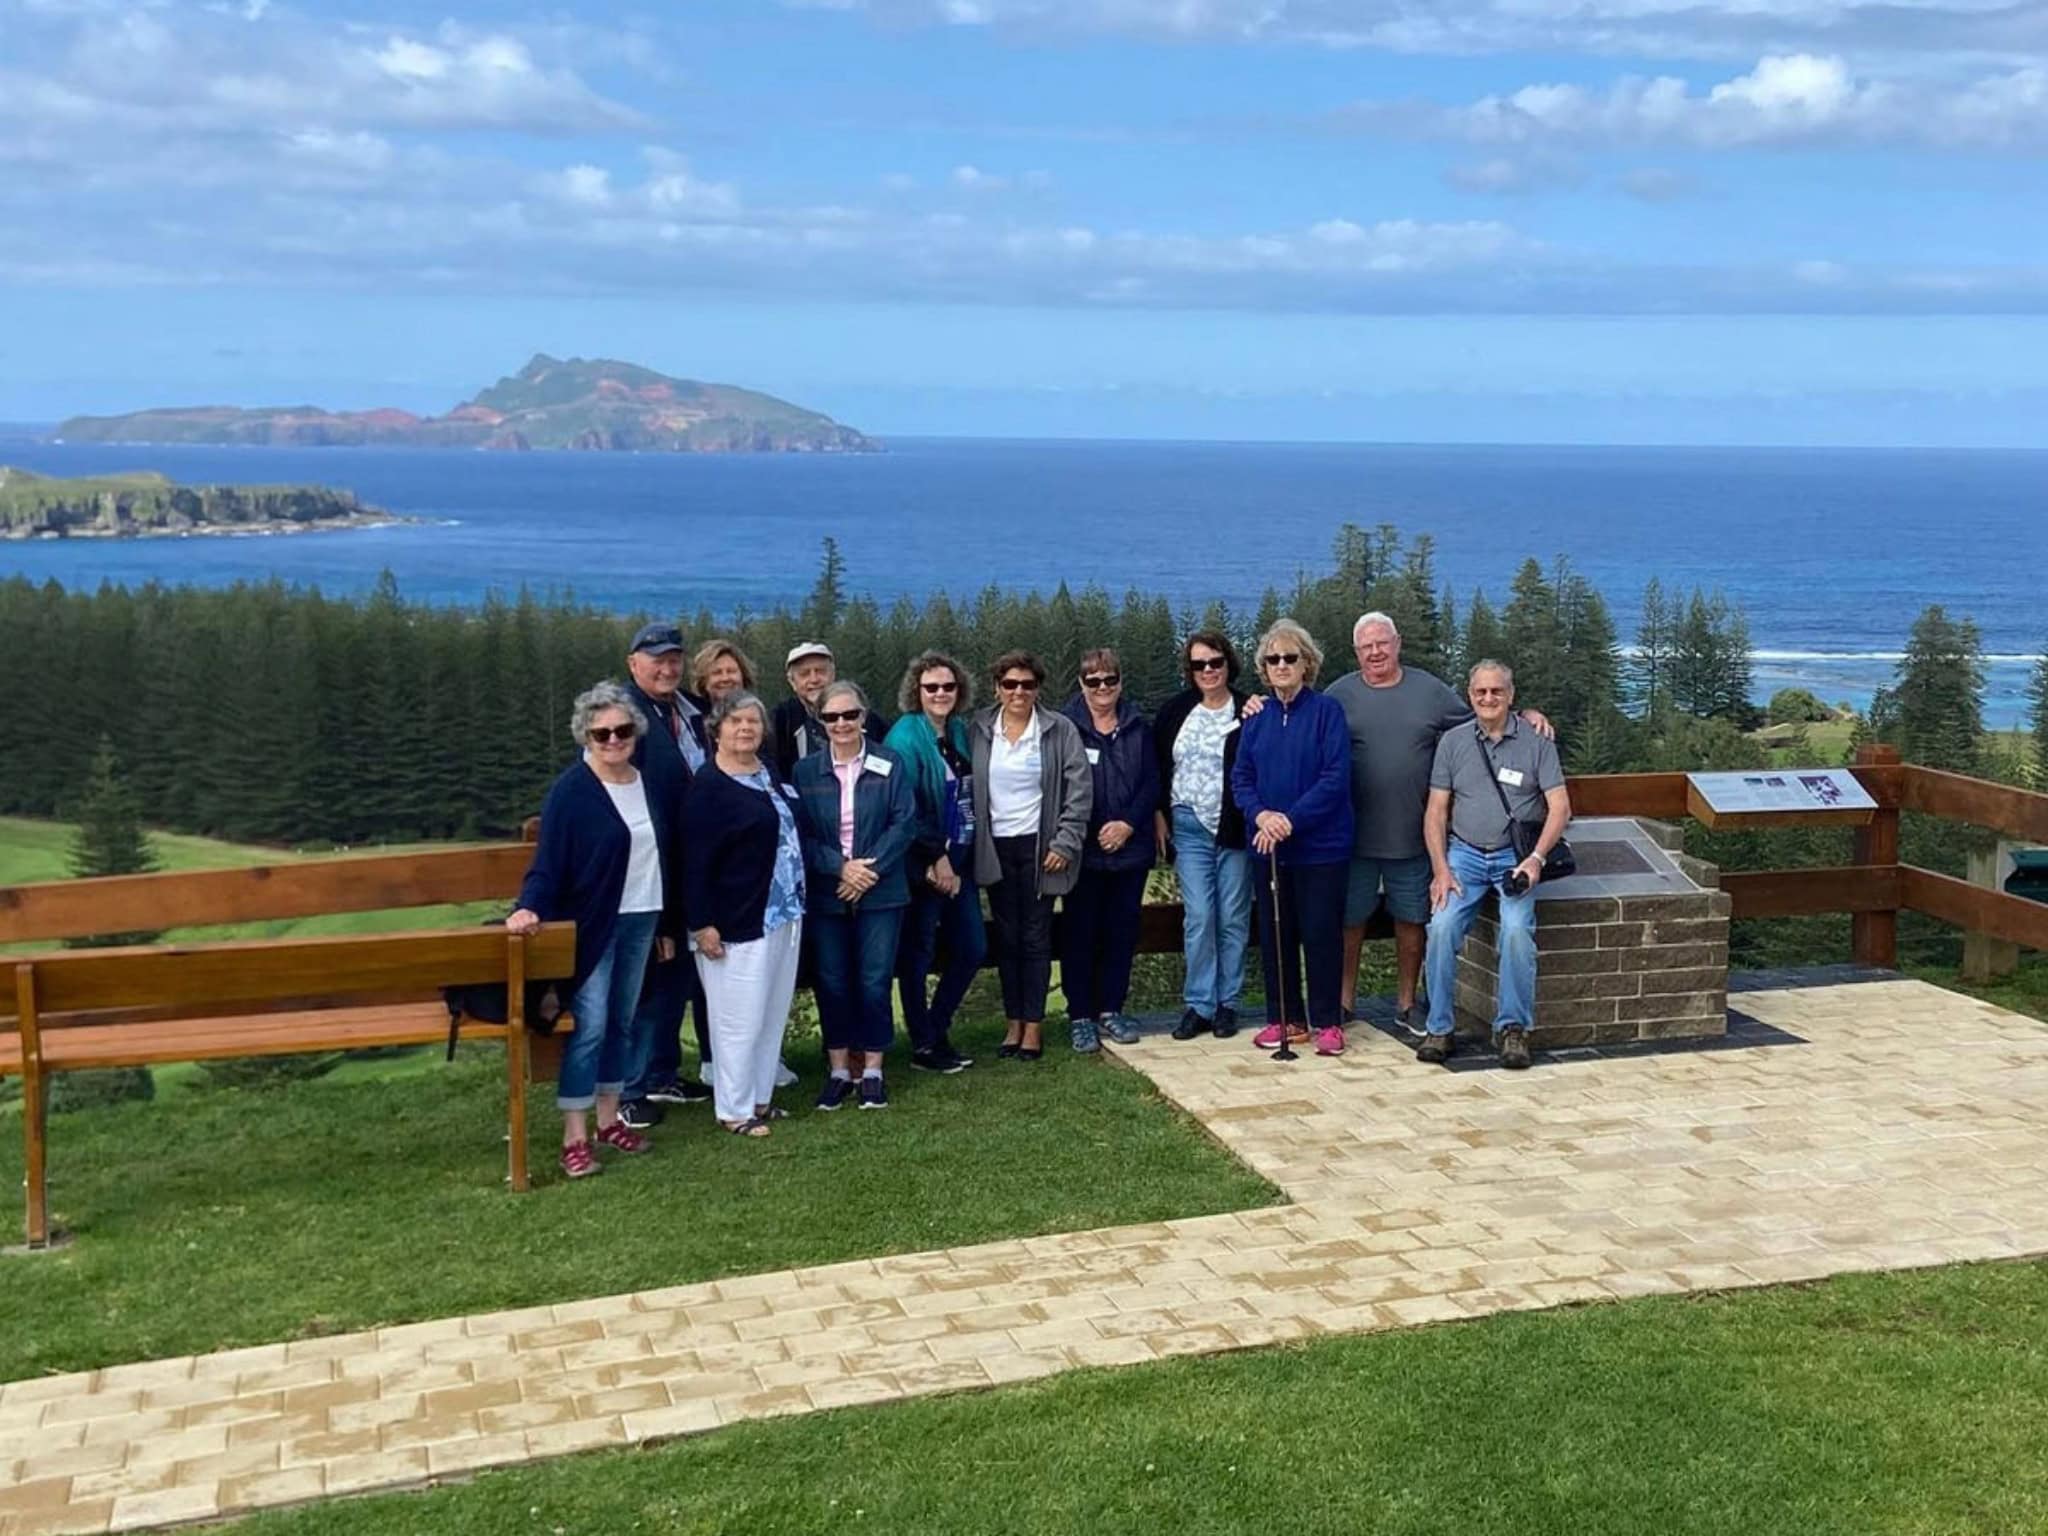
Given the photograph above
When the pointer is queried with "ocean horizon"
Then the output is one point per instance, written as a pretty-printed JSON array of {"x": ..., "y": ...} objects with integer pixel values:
[{"x": 1830, "y": 552}]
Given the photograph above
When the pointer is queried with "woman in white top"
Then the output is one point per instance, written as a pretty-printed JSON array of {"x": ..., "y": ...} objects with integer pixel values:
[
  {"x": 605, "y": 863},
  {"x": 1032, "y": 795}
]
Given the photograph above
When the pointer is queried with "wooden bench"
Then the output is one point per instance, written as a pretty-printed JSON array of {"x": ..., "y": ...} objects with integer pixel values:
[{"x": 73, "y": 1009}]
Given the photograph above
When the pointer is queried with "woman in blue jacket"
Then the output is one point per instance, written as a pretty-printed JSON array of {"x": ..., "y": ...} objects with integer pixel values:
[
  {"x": 1101, "y": 933},
  {"x": 930, "y": 736},
  {"x": 606, "y": 861},
  {"x": 859, "y": 814},
  {"x": 1292, "y": 780}
]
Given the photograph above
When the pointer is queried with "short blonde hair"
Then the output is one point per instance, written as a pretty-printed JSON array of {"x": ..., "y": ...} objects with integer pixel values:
[
  {"x": 1290, "y": 630},
  {"x": 711, "y": 653}
]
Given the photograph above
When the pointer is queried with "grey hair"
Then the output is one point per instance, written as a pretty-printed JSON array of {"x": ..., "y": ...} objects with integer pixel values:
[
  {"x": 1488, "y": 664},
  {"x": 910, "y": 695},
  {"x": 840, "y": 685},
  {"x": 731, "y": 705},
  {"x": 1291, "y": 629},
  {"x": 597, "y": 698},
  {"x": 1367, "y": 620}
]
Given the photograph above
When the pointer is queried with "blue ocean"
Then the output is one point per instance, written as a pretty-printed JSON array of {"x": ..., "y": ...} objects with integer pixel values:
[{"x": 1831, "y": 552}]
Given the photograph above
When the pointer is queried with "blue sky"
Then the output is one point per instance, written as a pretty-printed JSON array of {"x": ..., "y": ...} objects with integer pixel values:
[{"x": 1553, "y": 220}]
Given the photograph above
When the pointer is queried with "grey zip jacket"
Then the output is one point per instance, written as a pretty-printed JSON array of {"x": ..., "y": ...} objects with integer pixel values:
[{"x": 1067, "y": 789}]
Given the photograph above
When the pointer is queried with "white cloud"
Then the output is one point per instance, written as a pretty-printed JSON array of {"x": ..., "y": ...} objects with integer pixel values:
[
  {"x": 1919, "y": 30},
  {"x": 1791, "y": 100}
]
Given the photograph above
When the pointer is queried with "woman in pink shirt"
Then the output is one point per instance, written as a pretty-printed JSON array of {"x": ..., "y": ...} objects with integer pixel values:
[{"x": 858, "y": 815}]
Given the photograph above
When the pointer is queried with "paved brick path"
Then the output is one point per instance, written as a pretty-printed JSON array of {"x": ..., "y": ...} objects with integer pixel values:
[{"x": 1905, "y": 1126}]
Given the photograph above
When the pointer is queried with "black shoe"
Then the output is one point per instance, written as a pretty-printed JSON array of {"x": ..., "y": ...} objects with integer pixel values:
[
  {"x": 1009, "y": 1050},
  {"x": 1434, "y": 1050},
  {"x": 1514, "y": 1047},
  {"x": 639, "y": 1115},
  {"x": 1405, "y": 1017},
  {"x": 679, "y": 1093},
  {"x": 939, "y": 1060},
  {"x": 1191, "y": 1024},
  {"x": 837, "y": 1091},
  {"x": 1226, "y": 1022},
  {"x": 872, "y": 1094}
]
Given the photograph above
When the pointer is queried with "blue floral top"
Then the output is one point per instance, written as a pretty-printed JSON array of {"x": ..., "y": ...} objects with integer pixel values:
[{"x": 786, "y": 885}]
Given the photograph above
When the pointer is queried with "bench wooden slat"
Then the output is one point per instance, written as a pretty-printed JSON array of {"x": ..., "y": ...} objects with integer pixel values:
[
  {"x": 267, "y": 1034},
  {"x": 66, "y": 909},
  {"x": 197, "y": 976}
]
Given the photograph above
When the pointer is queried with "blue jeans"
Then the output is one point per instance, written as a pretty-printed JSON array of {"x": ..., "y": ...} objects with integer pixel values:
[
  {"x": 1515, "y": 994},
  {"x": 656, "y": 1059},
  {"x": 597, "y": 1056},
  {"x": 934, "y": 921},
  {"x": 1216, "y": 896},
  {"x": 856, "y": 957}
]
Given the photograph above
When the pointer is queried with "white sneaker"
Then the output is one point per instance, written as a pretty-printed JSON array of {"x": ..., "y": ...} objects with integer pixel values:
[
  {"x": 784, "y": 1078},
  {"x": 704, "y": 1074}
]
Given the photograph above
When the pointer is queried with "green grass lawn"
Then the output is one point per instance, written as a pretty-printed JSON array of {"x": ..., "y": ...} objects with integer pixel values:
[
  {"x": 236, "y": 1217},
  {"x": 1859, "y": 1407}
]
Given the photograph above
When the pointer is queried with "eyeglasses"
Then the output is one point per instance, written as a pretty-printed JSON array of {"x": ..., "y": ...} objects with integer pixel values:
[
  {"x": 1487, "y": 693},
  {"x": 840, "y": 716},
  {"x": 604, "y": 733},
  {"x": 1019, "y": 685},
  {"x": 1102, "y": 680},
  {"x": 1282, "y": 658},
  {"x": 940, "y": 687},
  {"x": 1206, "y": 663}
]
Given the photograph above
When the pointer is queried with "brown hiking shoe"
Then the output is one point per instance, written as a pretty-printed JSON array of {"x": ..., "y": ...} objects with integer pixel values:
[
  {"x": 1514, "y": 1047},
  {"x": 1435, "y": 1050}
]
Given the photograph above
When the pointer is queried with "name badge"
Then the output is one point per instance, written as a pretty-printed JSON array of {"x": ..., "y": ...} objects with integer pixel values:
[
  {"x": 881, "y": 766},
  {"x": 1233, "y": 724},
  {"x": 790, "y": 790},
  {"x": 1512, "y": 777},
  {"x": 1094, "y": 756}
]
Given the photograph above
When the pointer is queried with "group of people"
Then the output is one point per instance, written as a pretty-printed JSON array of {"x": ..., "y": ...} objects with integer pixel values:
[{"x": 712, "y": 852}]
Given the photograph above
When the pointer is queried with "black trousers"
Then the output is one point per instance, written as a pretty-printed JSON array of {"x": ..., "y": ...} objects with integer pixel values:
[
  {"x": 1023, "y": 930},
  {"x": 1101, "y": 937},
  {"x": 1309, "y": 947}
]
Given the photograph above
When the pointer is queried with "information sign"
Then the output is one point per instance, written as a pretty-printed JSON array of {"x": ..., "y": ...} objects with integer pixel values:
[{"x": 1779, "y": 797}]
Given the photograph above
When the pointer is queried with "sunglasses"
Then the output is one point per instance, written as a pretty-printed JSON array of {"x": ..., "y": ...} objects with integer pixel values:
[
  {"x": 1019, "y": 685},
  {"x": 1101, "y": 680},
  {"x": 840, "y": 716},
  {"x": 1282, "y": 658},
  {"x": 1206, "y": 663},
  {"x": 604, "y": 733},
  {"x": 940, "y": 687}
]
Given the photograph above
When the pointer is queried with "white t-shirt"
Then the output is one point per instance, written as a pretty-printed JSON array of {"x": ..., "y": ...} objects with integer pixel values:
[
  {"x": 643, "y": 866},
  {"x": 1014, "y": 788}
]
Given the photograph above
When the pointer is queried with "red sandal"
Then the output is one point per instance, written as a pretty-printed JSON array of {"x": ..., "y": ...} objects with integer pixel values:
[
  {"x": 623, "y": 1137},
  {"x": 579, "y": 1161}
]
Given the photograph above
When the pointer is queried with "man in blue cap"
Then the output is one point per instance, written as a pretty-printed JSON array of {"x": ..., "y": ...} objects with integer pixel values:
[{"x": 668, "y": 755}]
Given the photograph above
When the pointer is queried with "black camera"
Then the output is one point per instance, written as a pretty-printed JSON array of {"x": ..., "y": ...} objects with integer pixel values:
[{"x": 1516, "y": 883}]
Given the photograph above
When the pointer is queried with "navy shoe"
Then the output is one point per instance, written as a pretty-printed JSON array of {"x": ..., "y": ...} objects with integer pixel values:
[
  {"x": 836, "y": 1092},
  {"x": 872, "y": 1094},
  {"x": 639, "y": 1114},
  {"x": 679, "y": 1093},
  {"x": 1120, "y": 1028},
  {"x": 1226, "y": 1022}
]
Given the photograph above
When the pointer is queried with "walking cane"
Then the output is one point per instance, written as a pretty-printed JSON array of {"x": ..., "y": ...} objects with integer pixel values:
[{"x": 1286, "y": 1051}]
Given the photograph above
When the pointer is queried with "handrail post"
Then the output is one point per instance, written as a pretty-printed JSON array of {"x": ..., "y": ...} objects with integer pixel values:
[
  {"x": 1874, "y": 936},
  {"x": 515, "y": 1062},
  {"x": 35, "y": 1106}
]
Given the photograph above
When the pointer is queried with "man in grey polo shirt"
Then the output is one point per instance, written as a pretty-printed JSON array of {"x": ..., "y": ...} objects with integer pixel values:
[{"x": 1471, "y": 851}]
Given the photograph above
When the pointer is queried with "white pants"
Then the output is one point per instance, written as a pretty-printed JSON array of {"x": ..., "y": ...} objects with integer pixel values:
[{"x": 747, "y": 995}]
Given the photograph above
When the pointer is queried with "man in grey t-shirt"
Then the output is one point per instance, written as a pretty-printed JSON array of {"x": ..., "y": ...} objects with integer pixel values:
[
  {"x": 1486, "y": 776},
  {"x": 1396, "y": 715}
]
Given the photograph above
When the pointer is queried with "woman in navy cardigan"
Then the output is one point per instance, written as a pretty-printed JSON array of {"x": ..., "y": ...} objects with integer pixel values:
[
  {"x": 606, "y": 862},
  {"x": 859, "y": 814},
  {"x": 743, "y": 899}
]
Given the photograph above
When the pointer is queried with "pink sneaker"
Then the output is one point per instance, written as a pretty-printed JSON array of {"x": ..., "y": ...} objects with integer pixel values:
[
  {"x": 1268, "y": 1038},
  {"x": 1330, "y": 1041}
]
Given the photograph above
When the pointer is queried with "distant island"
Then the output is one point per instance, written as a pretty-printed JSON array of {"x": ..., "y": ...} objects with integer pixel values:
[
  {"x": 588, "y": 404},
  {"x": 145, "y": 505}
]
